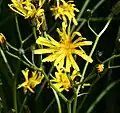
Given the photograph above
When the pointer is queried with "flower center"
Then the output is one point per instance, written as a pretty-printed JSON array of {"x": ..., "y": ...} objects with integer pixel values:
[{"x": 67, "y": 46}]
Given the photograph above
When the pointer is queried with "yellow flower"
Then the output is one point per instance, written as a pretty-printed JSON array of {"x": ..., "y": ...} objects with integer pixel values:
[
  {"x": 65, "y": 10},
  {"x": 18, "y": 7},
  {"x": 2, "y": 39},
  {"x": 32, "y": 78},
  {"x": 61, "y": 80},
  {"x": 100, "y": 68},
  {"x": 27, "y": 9},
  {"x": 62, "y": 51}
]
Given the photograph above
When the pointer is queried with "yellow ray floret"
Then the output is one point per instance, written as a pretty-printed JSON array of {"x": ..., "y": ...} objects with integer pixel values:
[
  {"x": 27, "y": 9},
  {"x": 65, "y": 10},
  {"x": 32, "y": 78},
  {"x": 62, "y": 52}
]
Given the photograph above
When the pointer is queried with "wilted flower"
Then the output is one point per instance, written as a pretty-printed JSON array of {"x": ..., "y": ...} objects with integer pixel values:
[
  {"x": 32, "y": 78},
  {"x": 27, "y": 9},
  {"x": 61, "y": 52},
  {"x": 100, "y": 68}
]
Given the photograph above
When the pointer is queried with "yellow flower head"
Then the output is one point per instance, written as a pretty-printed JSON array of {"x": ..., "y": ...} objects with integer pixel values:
[
  {"x": 32, "y": 78},
  {"x": 61, "y": 52},
  {"x": 2, "y": 39},
  {"x": 27, "y": 9},
  {"x": 65, "y": 10},
  {"x": 61, "y": 80},
  {"x": 100, "y": 68}
]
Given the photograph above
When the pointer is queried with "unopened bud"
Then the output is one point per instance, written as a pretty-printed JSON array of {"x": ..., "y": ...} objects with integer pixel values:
[{"x": 2, "y": 39}]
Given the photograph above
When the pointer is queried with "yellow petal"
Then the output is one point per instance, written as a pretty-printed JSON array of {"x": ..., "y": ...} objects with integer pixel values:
[
  {"x": 54, "y": 42},
  {"x": 58, "y": 86},
  {"x": 76, "y": 33},
  {"x": 43, "y": 51},
  {"x": 44, "y": 41},
  {"x": 30, "y": 89},
  {"x": 84, "y": 43},
  {"x": 58, "y": 60},
  {"x": 22, "y": 85},
  {"x": 83, "y": 55},
  {"x": 68, "y": 64},
  {"x": 50, "y": 58},
  {"x": 74, "y": 64},
  {"x": 25, "y": 73}
]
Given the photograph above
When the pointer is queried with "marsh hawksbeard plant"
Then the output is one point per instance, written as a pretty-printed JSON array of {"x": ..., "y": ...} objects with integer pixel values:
[{"x": 48, "y": 55}]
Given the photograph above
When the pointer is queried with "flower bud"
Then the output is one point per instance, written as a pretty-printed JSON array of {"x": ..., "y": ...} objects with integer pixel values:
[{"x": 2, "y": 39}]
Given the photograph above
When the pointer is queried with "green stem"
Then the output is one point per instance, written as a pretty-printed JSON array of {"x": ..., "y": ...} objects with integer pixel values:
[
  {"x": 16, "y": 57},
  {"x": 44, "y": 83},
  {"x": 113, "y": 67},
  {"x": 110, "y": 58},
  {"x": 92, "y": 11},
  {"x": 86, "y": 65},
  {"x": 69, "y": 106},
  {"x": 92, "y": 29},
  {"x": 101, "y": 95},
  {"x": 15, "y": 85},
  {"x": 34, "y": 32},
  {"x": 81, "y": 12},
  {"x": 75, "y": 104},
  {"x": 58, "y": 101},
  {"x": 95, "y": 19},
  {"x": 97, "y": 5},
  {"x": 90, "y": 89},
  {"x": 52, "y": 28},
  {"x": 47, "y": 79},
  {"x": 6, "y": 62},
  {"x": 24, "y": 101},
  {"x": 50, "y": 104},
  {"x": 27, "y": 38},
  {"x": 94, "y": 46},
  {"x": 18, "y": 30},
  {"x": 27, "y": 59},
  {"x": 12, "y": 47},
  {"x": 15, "y": 94},
  {"x": 41, "y": 70}
]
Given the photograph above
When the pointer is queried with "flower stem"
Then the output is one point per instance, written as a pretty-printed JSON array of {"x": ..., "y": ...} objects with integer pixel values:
[
  {"x": 69, "y": 106},
  {"x": 34, "y": 32},
  {"x": 95, "y": 19},
  {"x": 110, "y": 58},
  {"x": 92, "y": 11},
  {"x": 24, "y": 101},
  {"x": 113, "y": 67},
  {"x": 15, "y": 49},
  {"x": 49, "y": 105},
  {"x": 58, "y": 101},
  {"x": 101, "y": 95},
  {"x": 27, "y": 38},
  {"x": 6, "y": 62},
  {"x": 44, "y": 83},
  {"x": 16, "y": 57},
  {"x": 47, "y": 79},
  {"x": 94, "y": 46},
  {"x": 81, "y": 12},
  {"x": 75, "y": 104},
  {"x": 18, "y": 30},
  {"x": 86, "y": 65}
]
